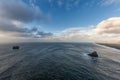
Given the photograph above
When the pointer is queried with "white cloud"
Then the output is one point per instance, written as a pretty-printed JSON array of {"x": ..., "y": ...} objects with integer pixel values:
[
  {"x": 109, "y": 26},
  {"x": 106, "y": 31},
  {"x": 110, "y": 2},
  {"x": 75, "y": 34}
]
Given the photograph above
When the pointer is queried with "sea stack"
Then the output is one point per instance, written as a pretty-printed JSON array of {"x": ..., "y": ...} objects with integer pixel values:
[
  {"x": 93, "y": 54},
  {"x": 15, "y": 47}
]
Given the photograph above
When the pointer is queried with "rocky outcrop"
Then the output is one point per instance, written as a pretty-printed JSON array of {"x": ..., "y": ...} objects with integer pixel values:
[
  {"x": 93, "y": 54},
  {"x": 16, "y": 47}
]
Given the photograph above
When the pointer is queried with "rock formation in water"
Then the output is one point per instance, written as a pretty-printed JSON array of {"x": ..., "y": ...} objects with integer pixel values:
[
  {"x": 93, "y": 54},
  {"x": 15, "y": 47}
]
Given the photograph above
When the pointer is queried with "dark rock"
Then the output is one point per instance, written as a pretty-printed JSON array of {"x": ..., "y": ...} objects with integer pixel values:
[
  {"x": 15, "y": 47},
  {"x": 93, "y": 54}
]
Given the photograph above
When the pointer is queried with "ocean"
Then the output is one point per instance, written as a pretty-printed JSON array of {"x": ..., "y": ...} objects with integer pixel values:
[{"x": 58, "y": 61}]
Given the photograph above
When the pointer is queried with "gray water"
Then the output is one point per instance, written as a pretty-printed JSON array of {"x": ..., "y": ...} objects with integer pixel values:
[{"x": 58, "y": 61}]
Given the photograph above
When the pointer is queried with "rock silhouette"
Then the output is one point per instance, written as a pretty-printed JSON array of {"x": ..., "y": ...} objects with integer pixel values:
[
  {"x": 93, "y": 54},
  {"x": 16, "y": 47}
]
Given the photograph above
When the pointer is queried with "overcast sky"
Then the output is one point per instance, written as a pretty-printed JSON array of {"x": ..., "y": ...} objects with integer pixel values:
[{"x": 60, "y": 21}]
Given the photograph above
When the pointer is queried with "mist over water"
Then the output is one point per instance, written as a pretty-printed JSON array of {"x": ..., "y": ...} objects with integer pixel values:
[{"x": 58, "y": 61}]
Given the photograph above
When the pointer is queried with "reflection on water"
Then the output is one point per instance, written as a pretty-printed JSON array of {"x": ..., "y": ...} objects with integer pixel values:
[{"x": 58, "y": 61}]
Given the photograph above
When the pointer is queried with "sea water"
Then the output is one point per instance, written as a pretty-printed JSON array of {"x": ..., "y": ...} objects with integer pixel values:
[{"x": 58, "y": 61}]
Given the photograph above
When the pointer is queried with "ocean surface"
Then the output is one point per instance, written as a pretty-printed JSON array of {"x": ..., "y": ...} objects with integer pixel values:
[{"x": 58, "y": 61}]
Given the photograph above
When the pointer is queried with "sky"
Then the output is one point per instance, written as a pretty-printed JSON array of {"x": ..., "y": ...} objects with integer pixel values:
[{"x": 60, "y": 21}]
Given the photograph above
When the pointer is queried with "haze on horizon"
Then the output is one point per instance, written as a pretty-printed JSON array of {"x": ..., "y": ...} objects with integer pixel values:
[{"x": 60, "y": 21}]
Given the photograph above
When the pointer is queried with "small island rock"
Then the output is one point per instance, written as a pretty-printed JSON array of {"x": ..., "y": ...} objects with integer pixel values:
[
  {"x": 93, "y": 54},
  {"x": 15, "y": 47}
]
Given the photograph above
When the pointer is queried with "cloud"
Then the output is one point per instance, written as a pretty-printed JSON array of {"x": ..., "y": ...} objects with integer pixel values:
[
  {"x": 33, "y": 33},
  {"x": 67, "y": 4},
  {"x": 77, "y": 30},
  {"x": 9, "y": 26},
  {"x": 18, "y": 10},
  {"x": 43, "y": 34},
  {"x": 106, "y": 31},
  {"x": 60, "y": 2},
  {"x": 15, "y": 14},
  {"x": 110, "y": 2},
  {"x": 74, "y": 34},
  {"x": 109, "y": 26}
]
